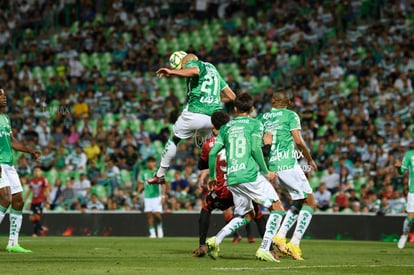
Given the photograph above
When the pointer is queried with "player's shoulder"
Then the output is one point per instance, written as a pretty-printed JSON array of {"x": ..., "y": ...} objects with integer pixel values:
[
  {"x": 209, "y": 142},
  {"x": 194, "y": 63}
]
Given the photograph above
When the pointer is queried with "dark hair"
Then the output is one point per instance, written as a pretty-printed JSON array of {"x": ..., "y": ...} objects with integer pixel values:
[
  {"x": 281, "y": 97},
  {"x": 219, "y": 118},
  {"x": 151, "y": 158},
  {"x": 244, "y": 103}
]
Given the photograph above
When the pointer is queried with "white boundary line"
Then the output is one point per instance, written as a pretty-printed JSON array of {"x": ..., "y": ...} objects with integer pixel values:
[{"x": 302, "y": 267}]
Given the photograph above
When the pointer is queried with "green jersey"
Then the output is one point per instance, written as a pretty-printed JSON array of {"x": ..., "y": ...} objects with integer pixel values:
[
  {"x": 408, "y": 164},
  {"x": 150, "y": 190},
  {"x": 6, "y": 150},
  {"x": 242, "y": 139},
  {"x": 280, "y": 122},
  {"x": 203, "y": 91}
]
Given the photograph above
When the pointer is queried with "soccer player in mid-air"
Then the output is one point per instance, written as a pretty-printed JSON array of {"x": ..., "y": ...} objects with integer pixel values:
[
  {"x": 10, "y": 186},
  {"x": 219, "y": 196},
  {"x": 242, "y": 140},
  {"x": 407, "y": 165},
  {"x": 206, "y": 92},
  {"x": 154, "y": 196},
  {"x": 285, "y": 127},
  {"x": 39, "y": 189}
]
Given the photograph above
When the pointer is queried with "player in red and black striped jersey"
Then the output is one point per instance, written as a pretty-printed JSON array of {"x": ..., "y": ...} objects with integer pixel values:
[
  {"x": 38, "y": 187},
  {"x": 218, "y": 196}
]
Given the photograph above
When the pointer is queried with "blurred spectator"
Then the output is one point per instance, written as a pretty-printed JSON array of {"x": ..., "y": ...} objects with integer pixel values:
[
  {"x": 147, "y": 149},
  {"x": 331, "y": 180},
  {"x": 95, "y": 204},
  {"x": 341, "y": 199},
  {"x": 81, "y": 188},
  {"x": 111, "y": 176},
  {"x": 55, "y": 194},
  {"x": 47, "y": 159},
  {"x": 92, "y": 151},
  {"x": 76, "y": 161},
  {"x": 68, "y": 199},
  {"x": 322, "y": 197}
]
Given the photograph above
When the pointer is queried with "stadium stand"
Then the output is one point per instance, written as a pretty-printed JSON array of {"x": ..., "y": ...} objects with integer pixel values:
[{"x": 349, "y": 67}]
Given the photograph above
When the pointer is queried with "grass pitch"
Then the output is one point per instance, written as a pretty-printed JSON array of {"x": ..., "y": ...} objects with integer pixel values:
[{"x": 133, "y": 255}]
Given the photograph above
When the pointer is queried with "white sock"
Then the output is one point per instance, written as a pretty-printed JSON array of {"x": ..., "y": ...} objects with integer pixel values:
[
  {"x": 169, "y": 152},
  {"x": 16, "y": 218},
  {"x": 152, "y": 231},
  {"x": 288, "y": 221},
  {"x": 230, "y": 228},
  {"x": 160, "y": 231},
  {"x": 407, "y": 225},
  {"x": 304, "y": 219},
  {"x": 272, "y": 225}
]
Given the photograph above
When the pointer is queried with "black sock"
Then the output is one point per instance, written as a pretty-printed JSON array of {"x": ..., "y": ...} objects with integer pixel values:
[
  {"x": 203, "y": 224},
  {"x": 261, "y": 225}
]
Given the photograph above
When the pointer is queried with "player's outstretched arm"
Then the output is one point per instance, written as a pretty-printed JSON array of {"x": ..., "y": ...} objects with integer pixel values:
[
  {"x": 212, "y": 158},
  {"x": 186, "y": 72},
  {"x": 18, "y": 146}
]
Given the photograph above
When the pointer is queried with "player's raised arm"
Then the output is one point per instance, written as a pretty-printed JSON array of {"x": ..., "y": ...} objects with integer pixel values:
[
  {"x": 227, "y": 95},
  {"x": 186, "y": 72}
]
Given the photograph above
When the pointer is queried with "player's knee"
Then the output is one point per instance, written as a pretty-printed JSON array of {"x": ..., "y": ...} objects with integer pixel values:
[
  {"x": 17, "y": 205},
  {"x": 258, "y": 212},
  {"x": 294, "y": 209},
  {"x": 228, "y": 217},
  {"x": 310, "y": 201},
  {"x": 176, "y": 139}
]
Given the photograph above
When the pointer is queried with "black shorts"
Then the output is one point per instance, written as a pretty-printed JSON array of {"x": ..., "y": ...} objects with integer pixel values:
[
  {"x": 37, "y": 208},
  {"x": 214, "y": 202}
]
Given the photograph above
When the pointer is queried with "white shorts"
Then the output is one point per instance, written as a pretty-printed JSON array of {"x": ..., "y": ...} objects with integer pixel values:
[
  {"x": 260, "y": 191},
  {"x": 410, "y": 203},
  {"x": 189, "y": 123},
  {"x": 152, "y": 205},
  {"x": 10, "y": 178},
  {"x": 296, "y": 182}
]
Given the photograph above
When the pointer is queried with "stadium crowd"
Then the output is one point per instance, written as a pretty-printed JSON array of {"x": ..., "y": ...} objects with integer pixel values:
[{"x": 81, "y": 88}]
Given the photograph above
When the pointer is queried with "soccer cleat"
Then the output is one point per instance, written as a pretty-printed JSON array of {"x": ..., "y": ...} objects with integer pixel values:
[
  {"x": 44, "y": 231},
  {"x": 294, "y": 251},
  {"x": 274, "y": 254},
  {"x": 266, "y": 256},
  {"x": 156, "y": 180},
  {"x": 281, "y": 244},
  {"x": 212, "y": 248},
  {"x": 237, "y": 239},
  {"x": 402, "y": 241},
  {"x": 200, "y": 251},
  {"x": 17, "y": 248},
  {"x": 251, "y": 240}
]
